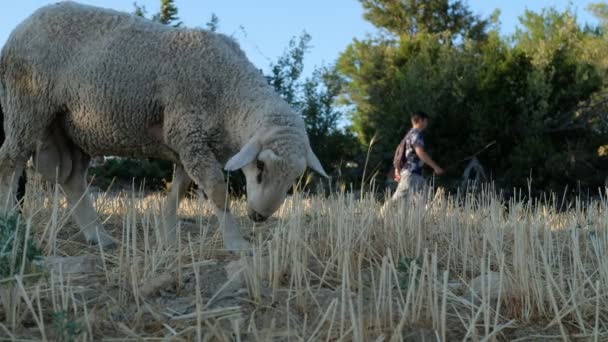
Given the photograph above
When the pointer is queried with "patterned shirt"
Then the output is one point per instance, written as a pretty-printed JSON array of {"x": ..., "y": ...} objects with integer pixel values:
[{"x": 405, "y": 156}]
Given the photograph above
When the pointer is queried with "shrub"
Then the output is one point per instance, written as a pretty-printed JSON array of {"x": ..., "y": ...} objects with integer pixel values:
[
  {"x": 67, "y": 330},
  {"x": 155, "y": 173},
  {"x": 13, "y": 246}
]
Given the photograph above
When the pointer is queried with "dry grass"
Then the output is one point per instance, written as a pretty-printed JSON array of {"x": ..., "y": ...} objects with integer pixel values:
[{"x": 323, "y": 269}]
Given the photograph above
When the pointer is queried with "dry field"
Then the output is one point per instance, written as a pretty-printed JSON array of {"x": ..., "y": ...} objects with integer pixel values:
[{"x": 338, "y": 268}]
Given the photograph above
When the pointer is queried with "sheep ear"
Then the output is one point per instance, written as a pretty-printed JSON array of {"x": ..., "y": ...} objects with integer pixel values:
[
  {"x": 314, "y": 163},
  {"x": 246, "y": 155}
]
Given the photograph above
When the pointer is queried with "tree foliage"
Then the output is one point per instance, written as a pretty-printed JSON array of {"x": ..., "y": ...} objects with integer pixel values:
[
  {"x": 138, "y": 10},
  {"x": 423, "y": 16},
  {"x": 535, "y": 93},
  {"x": 214, "y": 23},
  {"x": 315, "y": 98},
  {"x": 286, "y": 71},
  {"x": 600, "y": 11},
  {"x": 167, "y": 14}
]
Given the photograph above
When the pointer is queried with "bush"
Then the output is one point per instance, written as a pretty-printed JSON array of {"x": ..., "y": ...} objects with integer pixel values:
[
  {"x": 535, "y": 95},
  {"x": 13, "y": 246},
  {"x": 67, "y": 329},
  {"x": 124, "y": 172}
]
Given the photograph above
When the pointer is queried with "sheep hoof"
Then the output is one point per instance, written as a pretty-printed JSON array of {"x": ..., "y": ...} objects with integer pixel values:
[{"x": 236, "y": 244}]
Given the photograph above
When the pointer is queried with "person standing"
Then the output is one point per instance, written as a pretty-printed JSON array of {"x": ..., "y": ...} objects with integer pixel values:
[{"x": 410, "y": 157}]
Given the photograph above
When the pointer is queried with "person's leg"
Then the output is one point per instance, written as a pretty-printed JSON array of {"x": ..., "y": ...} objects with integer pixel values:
[
  {"x": 402, "y": 187},
  {"x": 402, "y": 192},
  {"x": 417, "y": 186},
  {"x": 417, "y": 183}
]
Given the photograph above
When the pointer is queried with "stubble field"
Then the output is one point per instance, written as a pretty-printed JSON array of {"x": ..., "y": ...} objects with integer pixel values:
[{"x": 338, "y": 268}]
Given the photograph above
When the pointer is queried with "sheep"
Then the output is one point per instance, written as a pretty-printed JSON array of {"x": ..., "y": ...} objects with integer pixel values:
[
  {"x": 78, "y": 81},
  {"x": 20, "y": 184}
]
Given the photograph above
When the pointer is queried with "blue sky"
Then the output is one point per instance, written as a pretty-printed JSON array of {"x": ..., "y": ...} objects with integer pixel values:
[{"x": 268, "y": 25}]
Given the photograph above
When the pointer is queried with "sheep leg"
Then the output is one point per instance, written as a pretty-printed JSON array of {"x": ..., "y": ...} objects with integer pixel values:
[
  {"x": 202, "y": 166},
  {"x": 179, "y": 185},
  {"x": 22, "y": 131},
  {"x": 56, "y": 159},
  {"x": 77, "y": 195},
  {"x": 233, "y": 239},
  {"x": 84, "y": 213},
  {"x": 9, "y": 182},
  {"x": 10, "y": 172}
]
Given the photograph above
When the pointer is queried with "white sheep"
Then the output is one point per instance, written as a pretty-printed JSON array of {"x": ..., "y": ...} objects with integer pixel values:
[{"x": 78, "y": 81}]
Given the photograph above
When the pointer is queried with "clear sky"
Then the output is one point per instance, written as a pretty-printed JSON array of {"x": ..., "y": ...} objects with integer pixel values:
[{"x": 264, "y": 27}]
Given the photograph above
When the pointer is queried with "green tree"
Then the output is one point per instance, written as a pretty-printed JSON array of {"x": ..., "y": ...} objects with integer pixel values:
[
  {"x": 595, "y": 51},
  {"x": 286, "y": 71},
  {"x": 523, "y": 92},
  {"x": 316, "y": 99},
  {"x": 542, "y": 35},
  {"x": 214, "y": 23},
  {"x": 431, "y": 16},
  {"x": 333, "y": 145},
  {"x": 600, "y": 11},
  {"x": 138, "y": 10},
  {"x": 167, "y": 14}
]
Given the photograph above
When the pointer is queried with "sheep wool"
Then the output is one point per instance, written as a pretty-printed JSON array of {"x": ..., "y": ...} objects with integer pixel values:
[{"x": 78, "y": 81}]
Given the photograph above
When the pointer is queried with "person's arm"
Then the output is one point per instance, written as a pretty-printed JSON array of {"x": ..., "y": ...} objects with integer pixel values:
[
  {"x": 398, "y": 159},
  {"x": 397, "y": 175},
  {"x": 428, "y": 160}
]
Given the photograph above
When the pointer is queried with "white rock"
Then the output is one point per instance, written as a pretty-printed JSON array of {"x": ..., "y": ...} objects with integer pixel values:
[
  {"x": 159, "y": 282},
  {"x": 72, "y": 265},
  {"x": 489, "y": 285}
]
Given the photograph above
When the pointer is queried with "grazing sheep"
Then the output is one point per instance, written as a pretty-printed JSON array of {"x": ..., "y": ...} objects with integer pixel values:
[
  {"x": 20, "y": 186},
  {"x": 78, "y": 81}
]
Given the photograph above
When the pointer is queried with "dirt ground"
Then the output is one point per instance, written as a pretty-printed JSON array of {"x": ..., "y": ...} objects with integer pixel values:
[{"x": 337, "y": 268}]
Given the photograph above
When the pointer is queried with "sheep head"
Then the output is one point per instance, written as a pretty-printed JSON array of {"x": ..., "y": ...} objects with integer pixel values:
[{"x": 271, "y": 163}]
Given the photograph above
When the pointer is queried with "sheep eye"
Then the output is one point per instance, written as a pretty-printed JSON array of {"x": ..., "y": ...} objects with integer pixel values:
[{"x": 260, "y": 166}]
